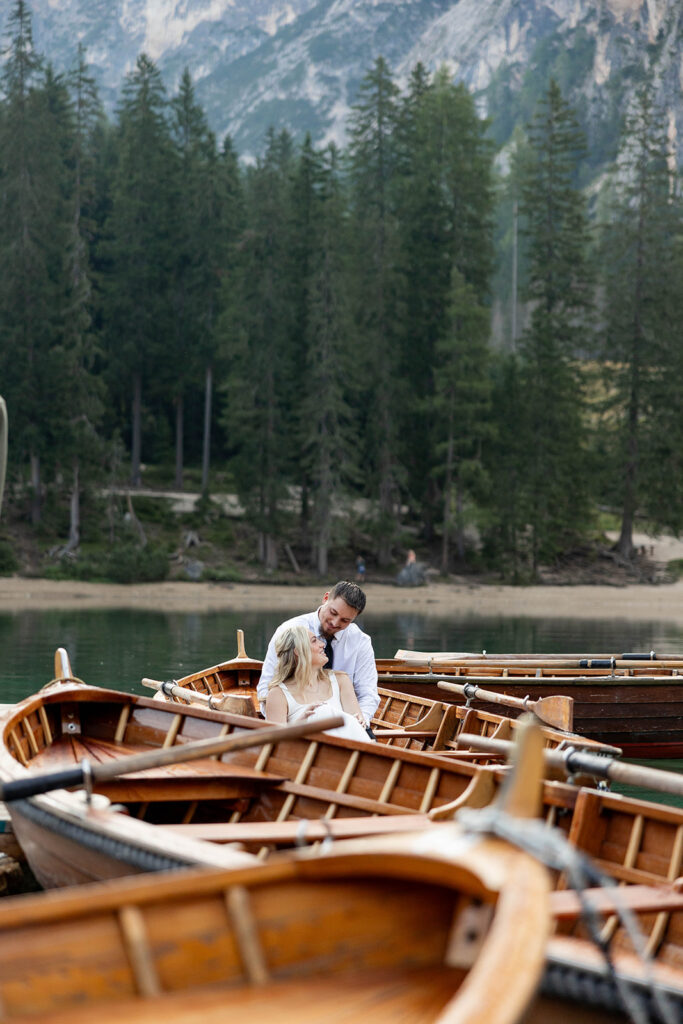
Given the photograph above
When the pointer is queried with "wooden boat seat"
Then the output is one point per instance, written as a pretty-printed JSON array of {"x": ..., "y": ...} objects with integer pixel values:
[
  {"x": 281, "y": 833},
  {"x": 382, "y": 996},
  {"x": 565, "y": 903},
  {"x": 204, "y": 779}
]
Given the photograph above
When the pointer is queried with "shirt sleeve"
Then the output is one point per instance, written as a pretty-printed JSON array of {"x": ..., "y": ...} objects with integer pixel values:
[
  {"x": 365, "y": 678},
  {"x": 267, "y": 672}
]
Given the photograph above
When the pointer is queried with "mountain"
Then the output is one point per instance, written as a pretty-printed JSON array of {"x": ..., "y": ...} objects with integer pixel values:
[{"x": 297, "y": 64}]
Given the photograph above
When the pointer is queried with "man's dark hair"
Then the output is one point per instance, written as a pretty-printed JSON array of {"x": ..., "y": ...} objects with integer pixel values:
[{"x": 351, "y": 593}]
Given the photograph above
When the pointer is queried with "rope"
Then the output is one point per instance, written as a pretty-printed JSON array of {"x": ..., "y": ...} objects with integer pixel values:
[
  {"x": 551, "y": 847},
  {"x": 116, "y": 849},
  {"x": 63, "y": 679}
]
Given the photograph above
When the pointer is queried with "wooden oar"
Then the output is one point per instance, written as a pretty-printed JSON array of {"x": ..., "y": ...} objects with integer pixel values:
[
  {"x": 575, "y": 762},
  {"x": 214, "y": 701},
  {"x": 22, "y": 788},
  {"x": 555, "y": 710},
  {"x": 450, "y": 657}
]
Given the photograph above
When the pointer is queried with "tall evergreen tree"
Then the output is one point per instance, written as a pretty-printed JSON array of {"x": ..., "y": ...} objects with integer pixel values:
[
  {"x": 445, "y": 216},
  {"x": 198, "y": 235},
  {"x": 328, "y": 432},
  {"x": 256, "y": 328},
  {"x": 642, "y": 340},
  {"x": 559, "y": 292},
  {"x": 462, "y": 407},
  {"x": 141, "y": 242},
  {"x": 228, "y": 216},
  {"x": 80, "y": 443},
  {"x": 32, "y": 239},
  {"x": 373, "y": 167}
]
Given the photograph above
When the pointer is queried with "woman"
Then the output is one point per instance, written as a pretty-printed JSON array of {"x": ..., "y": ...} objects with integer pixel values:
[{"x": 301, "y": 688}]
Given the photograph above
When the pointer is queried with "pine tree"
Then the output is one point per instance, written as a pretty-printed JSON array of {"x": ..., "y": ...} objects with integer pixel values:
[
  {"x": 141, "y": 242},
  {"x": 461, "y": 406},
  {"x": 256, "y": 332},
  {"x": 373, "y": 169},
  {"x": 226, "y": 213},
  {"x": 445, "y": 217},
  {"x": 506, "y": 535},
  {"x": 80, "y": 444},
  {"x": 196, "y": 250},
  {"x": 329, "y": 438},
  {"x": 641, "y": 347},
  {"x": 559, "y": 292},
  {"x": 32, "y": 239}
]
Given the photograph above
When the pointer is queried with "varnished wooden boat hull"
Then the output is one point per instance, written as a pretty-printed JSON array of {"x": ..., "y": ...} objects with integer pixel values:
[
  {"x": 636, "y": 705},
  {"x": 342, "y": 786},
  {"x": 643, "y": 718},
  {"x": 370, "y": 932},
  {"x": 397, "y": 709},
  {"x": 289, "y": 782}
]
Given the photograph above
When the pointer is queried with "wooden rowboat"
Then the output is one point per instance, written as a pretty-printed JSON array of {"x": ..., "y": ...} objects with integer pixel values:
[
  {"x": 295, "y": 790},
  {"x": 411, "y": 721},
  {"x": 273, "y": 940},
  {"x": 406, "y": 721},
  {"x": 410, "y": 930},
  {"x": 278, "y": 788},
  {"x": 636, "y": 706}
]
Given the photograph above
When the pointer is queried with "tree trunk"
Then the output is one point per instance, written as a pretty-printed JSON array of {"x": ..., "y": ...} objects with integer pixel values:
[
  {"x": 136, "y": 441},
  {"x": 447, "y": 494},
  {"x": 179, "y": 416},
  {"x": 75, "y": 513},
  {"x": 624, "y": 545},
  {"x": 35, "y": 488},
  {"x": 271, "y": 553},
  {"x": 459, "y": 525},
  {"x": 322, "y": 559},
  {"x": 206, "y": 443}
]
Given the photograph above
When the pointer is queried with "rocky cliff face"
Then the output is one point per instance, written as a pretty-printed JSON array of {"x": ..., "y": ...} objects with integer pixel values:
[{"x": 297, "y": 63}]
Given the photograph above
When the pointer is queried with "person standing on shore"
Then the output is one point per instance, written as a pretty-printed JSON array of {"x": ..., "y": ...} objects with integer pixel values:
[{"x": 348, "y": 648}]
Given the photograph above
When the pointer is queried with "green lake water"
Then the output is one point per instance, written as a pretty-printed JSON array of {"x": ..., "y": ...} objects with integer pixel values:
[{"x": 116, "y": 648}]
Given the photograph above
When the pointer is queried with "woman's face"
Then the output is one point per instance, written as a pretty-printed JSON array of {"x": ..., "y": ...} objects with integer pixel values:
[{"x": 318, "y": 656}]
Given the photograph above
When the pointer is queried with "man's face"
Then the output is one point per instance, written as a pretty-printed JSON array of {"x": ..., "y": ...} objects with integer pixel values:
[{"x": 335, "y": 614}]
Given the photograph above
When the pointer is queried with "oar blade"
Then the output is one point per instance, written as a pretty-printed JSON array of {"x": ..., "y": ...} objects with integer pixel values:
[{"x": 556, "y": 710}]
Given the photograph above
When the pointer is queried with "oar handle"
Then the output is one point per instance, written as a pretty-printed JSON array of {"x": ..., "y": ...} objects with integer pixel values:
[
  {"x": 171, "y": 688},
  {"x": 470, "y": 690},
  {"x": 20, "y": 789},
  {"x": 629, "y": 774},
  {"x": 575, "y": 761},
  {"x": 180, "y": 752}
]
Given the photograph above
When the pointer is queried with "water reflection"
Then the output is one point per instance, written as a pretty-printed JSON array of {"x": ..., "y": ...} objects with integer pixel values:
[{"x": 117, "y": 647}]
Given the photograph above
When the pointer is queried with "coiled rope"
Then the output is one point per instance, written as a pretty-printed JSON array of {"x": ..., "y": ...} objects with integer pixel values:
[{"x": 551, "y": 847}]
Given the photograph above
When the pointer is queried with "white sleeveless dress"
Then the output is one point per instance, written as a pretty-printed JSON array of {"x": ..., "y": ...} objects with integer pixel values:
[{"x": 350, "y": 730}]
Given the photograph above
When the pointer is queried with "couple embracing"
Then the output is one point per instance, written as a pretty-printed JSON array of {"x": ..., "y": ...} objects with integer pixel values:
[{"x": 321, "y": 662}]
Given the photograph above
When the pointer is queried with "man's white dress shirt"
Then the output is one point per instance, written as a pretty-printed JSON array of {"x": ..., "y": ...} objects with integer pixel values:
[{"x": 351, "y": 653}]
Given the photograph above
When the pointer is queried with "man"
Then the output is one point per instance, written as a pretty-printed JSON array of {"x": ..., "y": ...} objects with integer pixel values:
[{"x": 348, "y": 648}]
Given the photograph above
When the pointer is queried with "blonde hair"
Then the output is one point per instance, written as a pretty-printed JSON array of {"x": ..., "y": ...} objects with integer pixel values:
[{"x": 293, "y": 650}]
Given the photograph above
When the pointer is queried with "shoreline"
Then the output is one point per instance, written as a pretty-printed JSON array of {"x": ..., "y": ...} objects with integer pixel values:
[{"x": 645, "y": 602}]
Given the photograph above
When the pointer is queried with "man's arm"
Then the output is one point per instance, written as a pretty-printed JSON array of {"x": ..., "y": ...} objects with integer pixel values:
[
  {"x": 267, "y": 672},
  {"x": 365, "y": 680}
]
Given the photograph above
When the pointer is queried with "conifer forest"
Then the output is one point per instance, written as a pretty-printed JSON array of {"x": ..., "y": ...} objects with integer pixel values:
[{"x": 313, "y": 331}]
